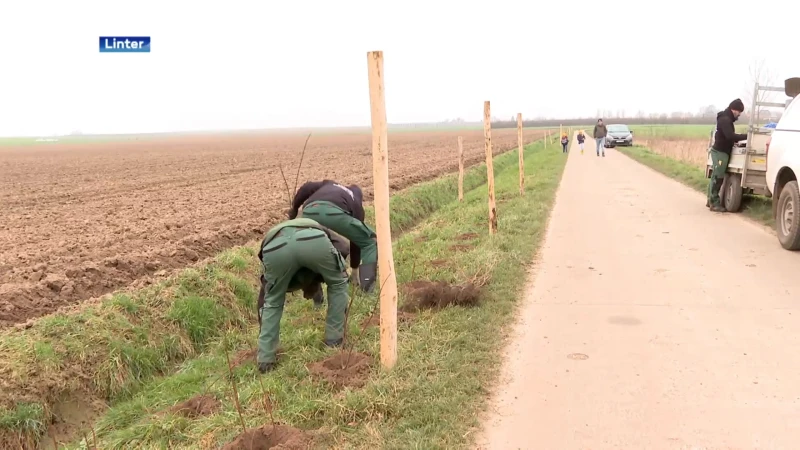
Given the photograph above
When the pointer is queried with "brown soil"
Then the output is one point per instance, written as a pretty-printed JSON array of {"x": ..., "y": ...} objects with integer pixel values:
[
  {"x": 423, "y": 295},
  {"x": 461, "y": 247},
  {"x": 343, "y": 369},
  {"x": 82, "y": 220},
  {"x": 438, "y": 262},
  {"x": 268, "y": 436},
  {"x": 71, "y": 418},
  {"x": 201, "y": 405},
  {"x": 249, "y": 355},
  {"x": 375, "y": 319},
  {"x": 468, "y": 236},
  {"x": 245, "y": 356},
  {"x": 419, "y": 239}
]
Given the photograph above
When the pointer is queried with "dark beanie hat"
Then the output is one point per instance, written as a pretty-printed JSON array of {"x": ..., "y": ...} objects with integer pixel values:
[{"x": 736, "y": 105}]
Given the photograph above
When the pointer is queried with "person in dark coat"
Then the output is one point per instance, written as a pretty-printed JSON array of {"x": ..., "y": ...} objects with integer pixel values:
[{"x": 725, "y": 137}]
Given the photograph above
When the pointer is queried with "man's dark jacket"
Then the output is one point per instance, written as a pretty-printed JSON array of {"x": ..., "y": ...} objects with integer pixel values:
[
  {"x": 348, "y": 199},
  {"x": 725, "y": 136}
]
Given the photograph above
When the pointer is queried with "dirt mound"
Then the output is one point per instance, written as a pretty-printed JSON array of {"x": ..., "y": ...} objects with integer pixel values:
[
  {"x": 201, "y": 405},
  {"x": 269, "y": 436},
  {"x": 424, "y": 294},
  {"x": 343, "y": 369},
  {"x": 375, "y": 319},
  {"x": 468, "y": 236}
]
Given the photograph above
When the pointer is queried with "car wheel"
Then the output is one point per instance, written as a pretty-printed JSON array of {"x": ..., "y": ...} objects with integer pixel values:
[{"x": 787, "y": 221}]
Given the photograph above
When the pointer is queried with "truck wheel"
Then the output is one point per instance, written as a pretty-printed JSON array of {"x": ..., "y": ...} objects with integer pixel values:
[
  {"x": 732, "y": 192},
  {"x": 787, "y": 221}
]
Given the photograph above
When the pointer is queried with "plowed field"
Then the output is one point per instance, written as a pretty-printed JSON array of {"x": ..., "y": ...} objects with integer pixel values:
[{"x": 81, "y": 220}]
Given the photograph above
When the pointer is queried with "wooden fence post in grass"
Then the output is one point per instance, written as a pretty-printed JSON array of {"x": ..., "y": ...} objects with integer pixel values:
[
  {"x": 487, "y": 137},
  {"x": 380, "y": 183},
  {"x": 460, "y": 169},
  {"x": 521, "y": 156}
]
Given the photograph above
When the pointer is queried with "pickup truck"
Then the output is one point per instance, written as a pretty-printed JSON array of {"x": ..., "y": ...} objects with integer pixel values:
[{"x": 782, "y": 170}]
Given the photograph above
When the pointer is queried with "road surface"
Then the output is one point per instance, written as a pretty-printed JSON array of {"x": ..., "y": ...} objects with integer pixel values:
[{"x": 650, "y": 323}]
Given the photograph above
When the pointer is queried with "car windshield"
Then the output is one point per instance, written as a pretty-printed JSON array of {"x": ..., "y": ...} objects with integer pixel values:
[{"x": 618, "y": 129}]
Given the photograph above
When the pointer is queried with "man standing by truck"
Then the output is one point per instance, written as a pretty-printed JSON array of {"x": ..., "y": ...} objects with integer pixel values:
[{"x": 725, "y": 137}]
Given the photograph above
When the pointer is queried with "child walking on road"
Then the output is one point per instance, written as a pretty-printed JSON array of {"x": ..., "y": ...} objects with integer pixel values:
[
  {"x": 564, "y": 143},
  {"x": 581, "y": 139}
]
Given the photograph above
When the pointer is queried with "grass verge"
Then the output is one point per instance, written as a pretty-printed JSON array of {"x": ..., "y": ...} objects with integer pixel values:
[
  {"x": 447, "y": 359},
  {"x": 121, "y": 351},
  {"x": 755, "y": 207}
]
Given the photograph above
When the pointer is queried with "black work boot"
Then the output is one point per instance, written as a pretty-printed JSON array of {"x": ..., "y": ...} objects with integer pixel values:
[
  {"x": 266, "y": 367},
  {"x": 366, "y": 276},
  {"x": 334, "y": 343},
  {"x": 718, "y": 208}
]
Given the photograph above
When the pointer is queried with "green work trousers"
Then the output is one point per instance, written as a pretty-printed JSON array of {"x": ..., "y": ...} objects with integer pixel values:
[
  {"x": 719, "y": 160},
  {"x": 331, "y": 216},
  {"x": 291, "y": 253}
]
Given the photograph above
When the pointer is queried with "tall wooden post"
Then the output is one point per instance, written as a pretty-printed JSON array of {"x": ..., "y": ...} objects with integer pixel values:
[
  {"x": 380, "y": 182},
  {"x": 460, "y": 169},
  {"x": 487, "y": 137},
  {"x": 521, "y": 155}
]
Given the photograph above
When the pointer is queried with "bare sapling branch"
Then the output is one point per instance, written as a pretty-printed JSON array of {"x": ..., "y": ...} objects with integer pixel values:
[
  {"x": 297, "y": 176},
  {"x": 235, "y": 390}
]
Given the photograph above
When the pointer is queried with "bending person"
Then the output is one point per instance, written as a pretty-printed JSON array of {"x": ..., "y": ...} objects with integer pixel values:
[
  {"x": 341, "y": 209},
  {"x": 298, "y": 254}
]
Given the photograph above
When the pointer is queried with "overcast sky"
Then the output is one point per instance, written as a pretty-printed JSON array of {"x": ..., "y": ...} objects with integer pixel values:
[{"x": 258, "y": 64}]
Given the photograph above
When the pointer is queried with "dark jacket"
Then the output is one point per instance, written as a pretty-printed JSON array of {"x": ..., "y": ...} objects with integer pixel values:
[
  {"x": 349, "y": 198},
  {"x": 725, "y": 136},
  {"x": 581, "y": 138},
  {"x": 600, "y": 131}
]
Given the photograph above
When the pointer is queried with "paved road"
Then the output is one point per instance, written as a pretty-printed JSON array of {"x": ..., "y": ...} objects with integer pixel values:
[{"x": 651, "y": 323}]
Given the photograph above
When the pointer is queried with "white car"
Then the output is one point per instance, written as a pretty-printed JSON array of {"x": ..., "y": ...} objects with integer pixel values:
[{"x": 783, "y": 170}]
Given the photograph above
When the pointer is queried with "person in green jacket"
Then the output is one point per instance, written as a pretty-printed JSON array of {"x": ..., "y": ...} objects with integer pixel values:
[{"x": 299, "y": 254}]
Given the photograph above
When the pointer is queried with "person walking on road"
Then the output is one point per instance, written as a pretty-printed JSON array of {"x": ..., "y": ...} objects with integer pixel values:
[
  {"x": 581, "y": 139},
  {"x": 564, "y": 143},
  {"x": 299, "y": 254},
  {"x": 340, "y": 208},
  {"x": 600, "y": 133},
  {"x": 725, "y": 137}
]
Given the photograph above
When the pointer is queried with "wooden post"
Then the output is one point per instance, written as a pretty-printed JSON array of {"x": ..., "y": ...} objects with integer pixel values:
[
  {"x": 460, "y": 169},
  {"x": 380, "y": 183},
  {"x": 560, "y": 131},
  {"x": 487, "y": 137},
  {"x": 521, "y": 155}
]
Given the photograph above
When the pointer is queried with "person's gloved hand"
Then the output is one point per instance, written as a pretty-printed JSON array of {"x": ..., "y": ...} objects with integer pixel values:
[{"x": 266, "y": 367}]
